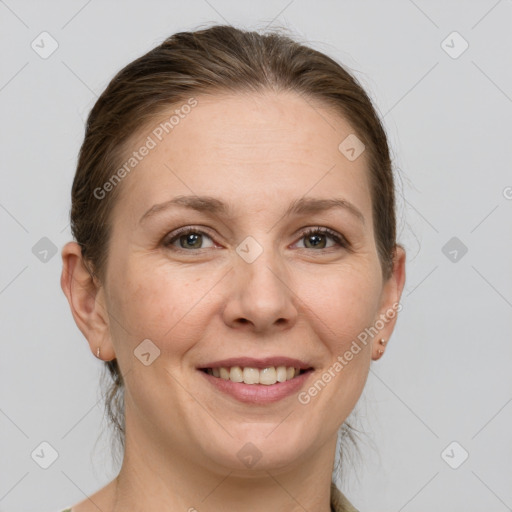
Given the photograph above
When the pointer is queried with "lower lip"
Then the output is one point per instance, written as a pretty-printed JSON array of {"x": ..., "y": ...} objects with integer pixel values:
[{"x": 258, "y": 393}]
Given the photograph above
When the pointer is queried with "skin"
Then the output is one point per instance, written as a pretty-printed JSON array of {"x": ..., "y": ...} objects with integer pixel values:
[{"x": 258, "y": 152}]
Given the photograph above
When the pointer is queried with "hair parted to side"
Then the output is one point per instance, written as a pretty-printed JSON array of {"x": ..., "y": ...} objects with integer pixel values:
[{"x": 221, "y": 59}]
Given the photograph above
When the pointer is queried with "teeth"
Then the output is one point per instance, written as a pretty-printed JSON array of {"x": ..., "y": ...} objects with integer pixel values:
[
  {"x": 236, "y": 374},
  {"x": 281, "y": 373},
  {"x": 248, "y": 375},
  {"x": 268, "y": 376},
  {"x": 251, "y": 376}
]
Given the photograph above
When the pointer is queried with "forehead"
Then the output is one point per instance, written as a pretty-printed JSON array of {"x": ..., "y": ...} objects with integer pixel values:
[{"x": 248, "y": 148}]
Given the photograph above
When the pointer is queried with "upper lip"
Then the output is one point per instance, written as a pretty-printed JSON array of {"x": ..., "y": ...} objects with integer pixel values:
[{"x": 260, "y": 363}]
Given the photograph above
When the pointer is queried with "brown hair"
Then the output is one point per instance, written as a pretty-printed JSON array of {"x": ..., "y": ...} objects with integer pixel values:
[{"x": 220, "y": 58}]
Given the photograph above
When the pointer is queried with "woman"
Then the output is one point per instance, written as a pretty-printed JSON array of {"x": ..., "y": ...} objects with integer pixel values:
[{"x": 235, "y": 266}]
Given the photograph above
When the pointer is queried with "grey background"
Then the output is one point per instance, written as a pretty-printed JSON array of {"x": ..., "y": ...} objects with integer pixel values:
[{"x": 446, "y": 374}]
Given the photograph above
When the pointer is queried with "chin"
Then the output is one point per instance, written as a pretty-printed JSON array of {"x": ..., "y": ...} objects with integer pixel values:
[{"x": 260, "y": 448}]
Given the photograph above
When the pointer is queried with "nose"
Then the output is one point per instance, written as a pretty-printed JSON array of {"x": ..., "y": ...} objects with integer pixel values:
[{"x": 260, "y": 297}]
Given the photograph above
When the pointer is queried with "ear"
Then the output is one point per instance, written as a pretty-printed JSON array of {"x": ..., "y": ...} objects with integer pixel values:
[
  {"x": 390, "y": 302},
  {"x": 87, "y": 301}
]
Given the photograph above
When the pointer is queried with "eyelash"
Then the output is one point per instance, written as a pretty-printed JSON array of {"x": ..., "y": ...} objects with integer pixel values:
[{"x": 340, "y": 240}]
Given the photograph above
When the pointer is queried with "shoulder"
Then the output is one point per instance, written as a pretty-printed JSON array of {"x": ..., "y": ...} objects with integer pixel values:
[{"x": 339, "y": 501}]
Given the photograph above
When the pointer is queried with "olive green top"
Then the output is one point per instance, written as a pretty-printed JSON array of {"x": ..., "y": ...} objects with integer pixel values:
[{"x": 339, "y": 503}]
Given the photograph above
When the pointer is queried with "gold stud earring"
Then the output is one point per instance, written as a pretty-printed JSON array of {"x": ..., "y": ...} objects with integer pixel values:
[
  {"x": 98, "y": 352},
  {"x": 380, "y": 352},
  {"x": 382, "y": 341}
]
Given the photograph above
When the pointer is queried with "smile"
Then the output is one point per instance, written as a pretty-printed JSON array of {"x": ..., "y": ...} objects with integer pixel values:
[{"x": 248, "y": 375}]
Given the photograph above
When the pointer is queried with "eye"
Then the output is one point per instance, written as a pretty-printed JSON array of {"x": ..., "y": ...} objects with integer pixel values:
[
  {"x": 190, "y": 238},
  {"x": 317, "y": 238},
  {"x": 187, "y": 238}
]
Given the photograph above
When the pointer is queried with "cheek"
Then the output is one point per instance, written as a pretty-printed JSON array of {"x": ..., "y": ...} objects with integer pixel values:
[
  {"x": 164, "y": 307},
  {"x": 345, "y": 304}
]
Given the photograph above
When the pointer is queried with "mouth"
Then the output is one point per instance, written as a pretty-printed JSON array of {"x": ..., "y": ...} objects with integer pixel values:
[
  {"x": 257, "y": 381},
  {"x": 251, "y": 375}
]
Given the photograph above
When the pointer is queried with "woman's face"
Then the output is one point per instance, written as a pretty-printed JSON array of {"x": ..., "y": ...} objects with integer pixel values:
[{"x": 246, "y": 287}]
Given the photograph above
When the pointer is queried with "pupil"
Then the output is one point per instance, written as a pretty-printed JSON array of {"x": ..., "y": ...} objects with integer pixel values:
[
  {"x": 317, "y": 237},
  {"x": 192, "y": 238}
]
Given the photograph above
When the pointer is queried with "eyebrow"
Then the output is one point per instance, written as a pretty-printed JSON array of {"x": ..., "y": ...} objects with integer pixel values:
[{"x": 208, "y": 204}]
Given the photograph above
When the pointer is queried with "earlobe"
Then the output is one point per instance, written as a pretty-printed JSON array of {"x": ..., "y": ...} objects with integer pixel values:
[{"x": 86, "y": 300}]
